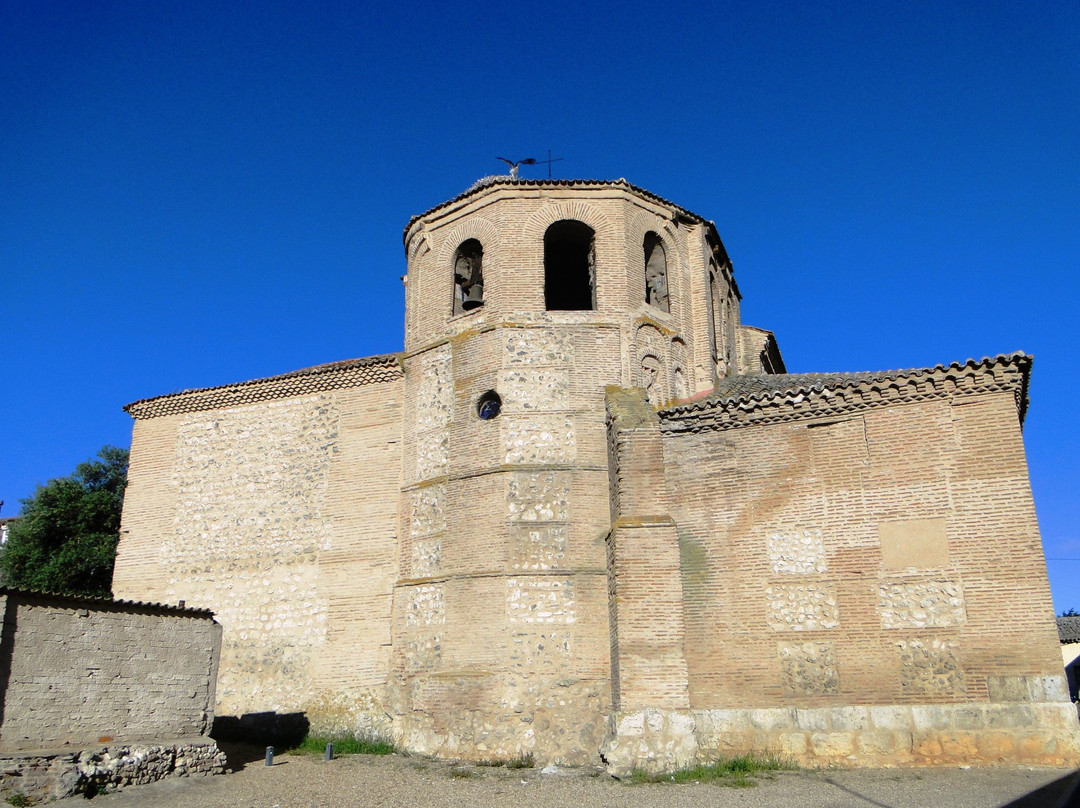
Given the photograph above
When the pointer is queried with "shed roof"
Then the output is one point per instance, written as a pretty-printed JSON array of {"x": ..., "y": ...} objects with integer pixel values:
[
  {"x": 98, "y": 602},
  {"x": 1069, "y": 629}
]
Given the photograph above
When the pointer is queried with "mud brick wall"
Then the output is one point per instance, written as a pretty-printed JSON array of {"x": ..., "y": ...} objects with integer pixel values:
[{"x": 78, "y": 672}]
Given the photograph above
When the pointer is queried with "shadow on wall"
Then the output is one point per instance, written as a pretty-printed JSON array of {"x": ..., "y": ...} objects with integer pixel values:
[{"x": 280, "y": 730}]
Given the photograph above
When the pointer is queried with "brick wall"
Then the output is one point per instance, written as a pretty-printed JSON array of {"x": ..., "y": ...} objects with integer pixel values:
[
  {"x": 500, "y": 623},
  {"x": 864, "y": 558},
  {"x": 76, "y": 672},
  {"x": 864, "y": 586}
]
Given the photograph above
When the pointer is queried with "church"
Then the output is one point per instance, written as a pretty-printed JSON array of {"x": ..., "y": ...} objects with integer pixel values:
[{"x": 585, "y": 515}]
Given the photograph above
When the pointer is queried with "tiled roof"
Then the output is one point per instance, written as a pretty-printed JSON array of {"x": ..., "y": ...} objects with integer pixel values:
[
  {"x": 84, "y": 600},
  {"x": 508, "y": 182},
  {"x": 331, "y": 376},
  {"x": 793, "y": 395},
  {"x": 1069, "y": 629}
]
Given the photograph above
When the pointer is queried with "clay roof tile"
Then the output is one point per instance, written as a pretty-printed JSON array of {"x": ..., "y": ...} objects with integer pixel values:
[
  {"x": 759, "y": 388},
  {"x": 331, "y": 375}
]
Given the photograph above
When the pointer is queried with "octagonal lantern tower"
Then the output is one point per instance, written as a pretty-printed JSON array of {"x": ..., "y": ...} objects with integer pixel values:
[{"x": 524, "y": 300}]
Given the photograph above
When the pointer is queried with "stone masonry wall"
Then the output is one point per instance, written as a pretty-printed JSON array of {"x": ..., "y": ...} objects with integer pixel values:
[
  {"x": 500, "y": 629},
  {"x": 80, "y": 672},
  {"x": 281, "y": 516},
  {"x": 870, "y": 735}
]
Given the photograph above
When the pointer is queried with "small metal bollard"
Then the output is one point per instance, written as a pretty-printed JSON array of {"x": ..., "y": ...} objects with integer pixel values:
[
  {"x": 269, "y": 756},
  {"x": 329, "y": 751}
]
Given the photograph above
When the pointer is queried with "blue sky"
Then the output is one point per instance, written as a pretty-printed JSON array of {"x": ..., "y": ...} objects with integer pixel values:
[{"x": 200, "y": 193}]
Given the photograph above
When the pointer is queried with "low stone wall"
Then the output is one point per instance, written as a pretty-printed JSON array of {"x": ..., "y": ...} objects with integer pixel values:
[
  {"x": 52, "y": 775},
  {"x": 1040, "y": 733}
]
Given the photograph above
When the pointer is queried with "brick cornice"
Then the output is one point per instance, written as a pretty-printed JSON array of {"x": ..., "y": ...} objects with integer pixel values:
[
  {"x": 499, "y": 183},
  {"x": 795, "y": 397},
  {"x": 332, "y": 376}
]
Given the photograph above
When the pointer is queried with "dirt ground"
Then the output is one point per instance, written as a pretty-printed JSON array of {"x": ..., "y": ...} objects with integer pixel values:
[{"x": 296, "y": 781}]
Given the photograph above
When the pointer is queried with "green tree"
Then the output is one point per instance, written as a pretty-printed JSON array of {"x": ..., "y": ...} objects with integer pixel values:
[{"x": 65, "y": 540}]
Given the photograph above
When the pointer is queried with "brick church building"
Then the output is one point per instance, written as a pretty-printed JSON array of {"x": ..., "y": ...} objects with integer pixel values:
[{"x": 586, "y": 515}]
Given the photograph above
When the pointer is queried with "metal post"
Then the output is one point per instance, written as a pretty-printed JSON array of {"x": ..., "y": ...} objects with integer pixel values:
[
  {"x": 330, "y": 751},
  {"x": 269, "y": 756}
]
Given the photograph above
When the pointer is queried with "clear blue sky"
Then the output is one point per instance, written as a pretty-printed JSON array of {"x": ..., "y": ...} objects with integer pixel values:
[{"x": 199, "y": 193}]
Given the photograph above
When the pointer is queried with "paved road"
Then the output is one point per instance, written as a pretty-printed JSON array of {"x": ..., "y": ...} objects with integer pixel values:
[{"x": 382, "y": 782}]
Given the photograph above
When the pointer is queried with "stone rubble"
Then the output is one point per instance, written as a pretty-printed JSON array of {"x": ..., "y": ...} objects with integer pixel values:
[{"x": 54, "y": 775}]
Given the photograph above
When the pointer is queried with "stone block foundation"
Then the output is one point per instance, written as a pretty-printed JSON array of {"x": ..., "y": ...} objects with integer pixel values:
[{"x": 1045, "y": 734}]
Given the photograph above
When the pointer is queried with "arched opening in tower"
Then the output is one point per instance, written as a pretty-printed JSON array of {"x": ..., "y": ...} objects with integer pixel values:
[
  {"x": 656, "y": 283},
  {"x": 468, "y": 276},
  {"x": 569, "y": 267}
]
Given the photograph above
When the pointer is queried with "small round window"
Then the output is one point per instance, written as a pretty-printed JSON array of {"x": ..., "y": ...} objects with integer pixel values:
[{"x": 489, "y": 405}]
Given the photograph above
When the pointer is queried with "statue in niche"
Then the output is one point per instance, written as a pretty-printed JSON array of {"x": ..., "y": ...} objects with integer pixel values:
[
  {"x": 656, "y": 285},
  {"x": 680, "y": 384},
  {"x": 721, "y": 368},
  {"x": 468, "y": 276},
  {"x": 650, "y": 373}
]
